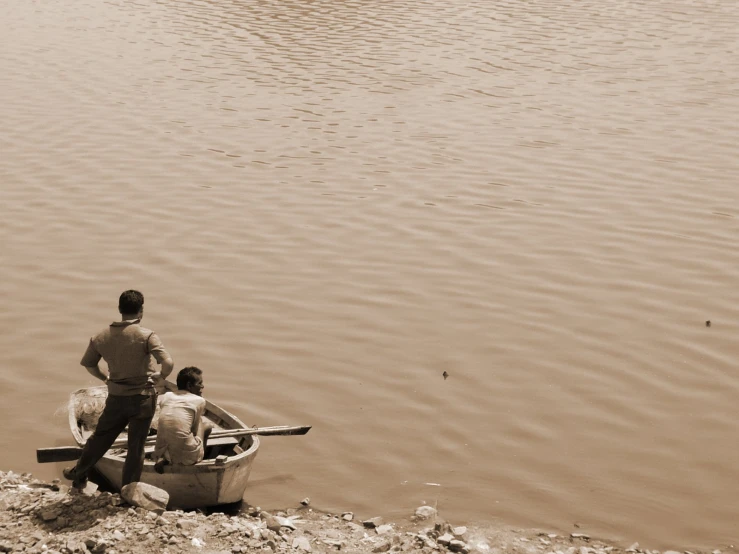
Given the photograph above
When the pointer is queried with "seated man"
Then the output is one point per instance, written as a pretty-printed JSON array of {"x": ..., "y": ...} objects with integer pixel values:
[{"x": 182, "y": 433}]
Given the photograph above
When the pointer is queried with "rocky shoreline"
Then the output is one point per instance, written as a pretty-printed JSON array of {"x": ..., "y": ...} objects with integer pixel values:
[{"x": 48, "y": 518}]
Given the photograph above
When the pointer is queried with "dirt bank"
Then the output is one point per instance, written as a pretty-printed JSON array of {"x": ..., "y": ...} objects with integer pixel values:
[{"x": 38, "y": 517}]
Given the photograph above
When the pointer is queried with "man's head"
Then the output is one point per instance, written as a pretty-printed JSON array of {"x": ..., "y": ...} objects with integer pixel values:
[
  {"x": 131, "y": 303},
  {"x": 191, "y": 380}
]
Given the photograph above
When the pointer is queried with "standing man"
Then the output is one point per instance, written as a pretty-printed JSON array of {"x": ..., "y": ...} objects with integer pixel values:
[{"x": 130, "y": 351}]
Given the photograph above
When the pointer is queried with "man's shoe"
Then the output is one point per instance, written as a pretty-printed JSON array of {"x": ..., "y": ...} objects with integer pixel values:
[
  {"x": 77, "y": 482},
  {"x": 159, "y": 465}
]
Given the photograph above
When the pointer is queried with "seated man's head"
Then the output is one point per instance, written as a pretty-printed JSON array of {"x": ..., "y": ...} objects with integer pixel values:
[
  {"x": 191, "y": 380},
  {"x": 131, "y": 303}
]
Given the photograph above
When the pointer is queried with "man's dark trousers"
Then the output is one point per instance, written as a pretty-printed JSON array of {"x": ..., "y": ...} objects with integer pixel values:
[{"x": 136, "y": 411}]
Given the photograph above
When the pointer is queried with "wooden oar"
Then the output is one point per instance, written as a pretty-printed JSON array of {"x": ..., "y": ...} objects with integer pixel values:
[{"x": 69, "y": 453}]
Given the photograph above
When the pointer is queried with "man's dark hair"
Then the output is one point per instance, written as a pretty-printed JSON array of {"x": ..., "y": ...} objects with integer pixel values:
[
  {"x": 187, "y": 376},
  {"x": 130, "y": 302}
]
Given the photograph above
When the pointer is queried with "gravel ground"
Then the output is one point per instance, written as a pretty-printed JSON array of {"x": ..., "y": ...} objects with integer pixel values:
[{"x": 39, "y": 517}]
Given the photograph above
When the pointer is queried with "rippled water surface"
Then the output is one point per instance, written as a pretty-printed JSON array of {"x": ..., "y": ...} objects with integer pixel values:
[{"x": 329, "y": 203}]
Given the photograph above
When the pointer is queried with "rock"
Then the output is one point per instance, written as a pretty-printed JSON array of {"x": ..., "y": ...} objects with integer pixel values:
[
  {"x": 584, "y": 550},
  {"x": 286, "y": 522},
  {"x": 425, "y": 512},
  {"x": 459, "y": 546},
  {"x": 633, "y": 548},
  {"x": 186, "y": 524},
  {"x": 75, "y": 546},
  {"x": 301, "y": 543},
  {"x": 384, "y": 529},
  {"x": 100, "y": 547},
  {"x": 580, "y": 536},
  {"x": 441, "y": 527},
  {"x": 347, "y": 516},
  {"x": 270, "y": 521},
  {"x": 373, "y": 522},
  {"x": 384, "y": 546},
  {"x": 117, "y": 535},
  {"x": 50, "y": 514},
  {"x": 671, "y": 552},
  {"x": 355, "y": 529},
  {"x": 445, "y": 539},
  {"x": 305, "y": 501},
  {"x": 61, "y": 522},
  {"x": 90, "y": 489},
  {"x": 145, "y": 496},
  {"x": 274, "y": 523}
]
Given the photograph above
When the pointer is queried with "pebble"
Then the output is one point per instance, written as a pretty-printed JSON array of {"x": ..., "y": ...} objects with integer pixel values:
[
  {"x": 302, "y": 543},
  {"x": 384, "y": 529},
  {"x": 347, "y": 516}
]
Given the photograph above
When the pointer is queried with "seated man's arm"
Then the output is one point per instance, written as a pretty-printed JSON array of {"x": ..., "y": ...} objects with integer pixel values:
[{"x": 201, "y": 426}]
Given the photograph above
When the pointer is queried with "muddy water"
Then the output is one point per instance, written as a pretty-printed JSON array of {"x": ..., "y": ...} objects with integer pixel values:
[{"x": 330, "y": 203}]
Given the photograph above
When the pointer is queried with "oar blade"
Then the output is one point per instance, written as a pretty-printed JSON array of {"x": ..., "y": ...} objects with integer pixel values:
[
  {"x": 58, "y": 454},
  {"x": 284, "y": 430}
]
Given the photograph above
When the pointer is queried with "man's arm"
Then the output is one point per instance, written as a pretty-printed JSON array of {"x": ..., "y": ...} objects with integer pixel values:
[
  {"x": 167, "y": 367},
  {"x": 156, "y": 349},
  {"x": 157, "y": 379},
  {"x": 95, "y": 371},
  {"x": 90, "y": 361}
]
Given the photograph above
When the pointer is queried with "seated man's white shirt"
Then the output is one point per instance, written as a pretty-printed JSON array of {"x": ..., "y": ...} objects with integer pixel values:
[{"x": 180, "y": 428}]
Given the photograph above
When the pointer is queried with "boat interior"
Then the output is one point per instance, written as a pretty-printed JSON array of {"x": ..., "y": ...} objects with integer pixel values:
[{"x": 89, "y": 405}]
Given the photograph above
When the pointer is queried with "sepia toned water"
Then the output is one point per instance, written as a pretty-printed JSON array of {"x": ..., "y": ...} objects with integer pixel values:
[{"x": 329, "y": 203}]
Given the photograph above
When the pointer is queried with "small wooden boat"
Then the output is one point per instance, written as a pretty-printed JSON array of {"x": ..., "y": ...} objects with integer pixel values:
[{"x": 219, "y": 479}]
